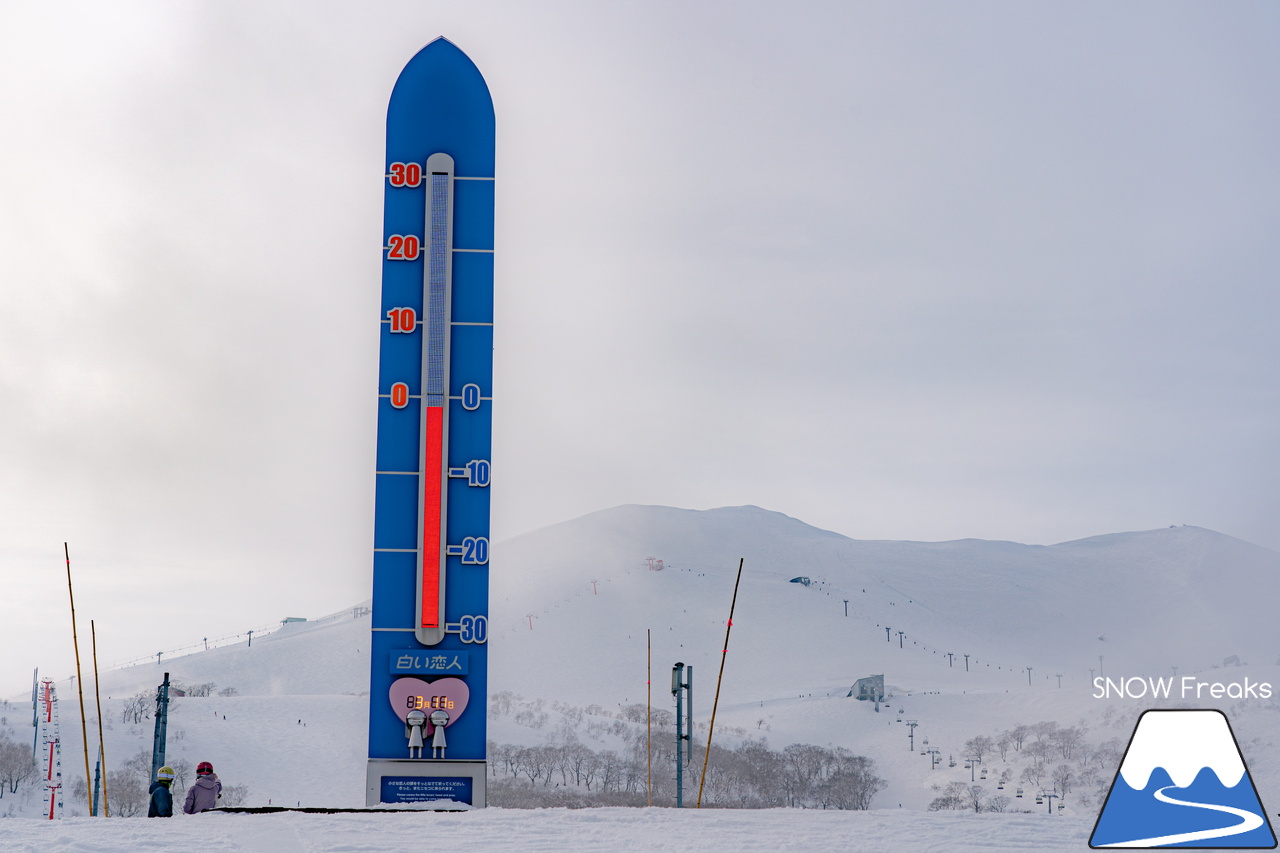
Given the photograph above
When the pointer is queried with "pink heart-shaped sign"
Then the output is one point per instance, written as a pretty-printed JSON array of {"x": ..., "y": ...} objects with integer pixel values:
[{"x": 446, "y": 694}]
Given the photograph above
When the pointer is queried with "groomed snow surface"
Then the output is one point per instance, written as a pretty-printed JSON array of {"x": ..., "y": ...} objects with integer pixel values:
[{"x": 534, "y": 831}]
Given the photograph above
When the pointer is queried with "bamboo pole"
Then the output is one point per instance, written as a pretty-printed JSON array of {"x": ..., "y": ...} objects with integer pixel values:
[
  {"x": 75, "y": 643},
  {"x": 97, "y": 695},
  {"x": 716, "y": 702},
  {"x": 648, "y": 713}
]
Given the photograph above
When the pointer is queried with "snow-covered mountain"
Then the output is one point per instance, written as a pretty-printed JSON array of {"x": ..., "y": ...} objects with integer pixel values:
[
  {"x": 573, "y": 606},
  {"x": 1145, "y": 602}
]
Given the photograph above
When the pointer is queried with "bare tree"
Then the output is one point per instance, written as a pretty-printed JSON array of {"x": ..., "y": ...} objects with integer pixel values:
[
  {"x": 979, "y": 746},
  {"x": 610, "y": 770},
  {"x": 802, "y": 766},
  {"x": 127, "y": 795},
  {"x": 1063, "y": 779},
  {"x": 532, "y": 763},
  {"x": 181, "y": 772},
  {"x": 140, "y": 763},
  {"x": 748, "y": 776},
  {"x": 1069, "y": 739},
  {"x": 1046, "y": 731},
  {"x": 852, "y": 785},
  {"x": 1034, "y": 773},
  {"x": 234, "y": 795},
  {"x": 16, "y": 764},
  {"x": 954, "y": 797},
  {"x": 763, "y": 772},
  {"x": 1039, "y": 751},
  {"x": 577, "y": 758},
  {"x": 138, "y": 707},
  {"x": 1084, "y": 753}
]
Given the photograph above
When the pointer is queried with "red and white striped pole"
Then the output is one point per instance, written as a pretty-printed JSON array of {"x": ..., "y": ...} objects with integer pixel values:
[{"x": 53, "y": 750}]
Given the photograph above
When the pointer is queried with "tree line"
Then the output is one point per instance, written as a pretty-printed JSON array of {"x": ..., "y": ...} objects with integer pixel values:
[
  {"x": 1027, "y": 760},
  {"x": 564, "y": 771}
]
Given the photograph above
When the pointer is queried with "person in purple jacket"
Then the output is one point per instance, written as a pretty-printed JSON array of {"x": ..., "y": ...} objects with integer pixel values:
[{"x": 204, "y": 794}]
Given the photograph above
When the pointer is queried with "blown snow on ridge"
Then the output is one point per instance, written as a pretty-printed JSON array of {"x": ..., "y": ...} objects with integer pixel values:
[{"x": 577, "y": 598}]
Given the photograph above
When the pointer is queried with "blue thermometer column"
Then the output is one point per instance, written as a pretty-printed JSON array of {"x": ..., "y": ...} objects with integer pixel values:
[{"x": 431, "y": 518}]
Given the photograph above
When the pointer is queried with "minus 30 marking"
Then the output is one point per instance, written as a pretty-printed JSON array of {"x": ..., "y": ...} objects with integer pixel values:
[{"x": 471, "y": 629}]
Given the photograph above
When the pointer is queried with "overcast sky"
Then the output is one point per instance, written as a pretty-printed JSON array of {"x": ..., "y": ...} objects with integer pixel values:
[{"x": 902, "y": 271}]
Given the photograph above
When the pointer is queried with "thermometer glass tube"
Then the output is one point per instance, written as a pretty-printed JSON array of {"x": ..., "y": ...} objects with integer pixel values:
[{"x": 433, "y": 508}]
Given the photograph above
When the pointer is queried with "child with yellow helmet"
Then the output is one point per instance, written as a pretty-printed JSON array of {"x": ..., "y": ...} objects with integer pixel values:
[{"x": 161, "y": 799}]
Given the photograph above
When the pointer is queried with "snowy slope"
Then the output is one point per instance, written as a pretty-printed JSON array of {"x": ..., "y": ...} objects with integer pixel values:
[
  {"x": 295, "y": 731},
  {"x": 570, "y": 614},
  {"x": 1144, "y": 601},
  {"x": 557, "y": 830}
]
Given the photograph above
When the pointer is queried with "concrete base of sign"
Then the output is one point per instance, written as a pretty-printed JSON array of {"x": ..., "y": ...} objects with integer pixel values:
[{"x": 407, "y": 780}]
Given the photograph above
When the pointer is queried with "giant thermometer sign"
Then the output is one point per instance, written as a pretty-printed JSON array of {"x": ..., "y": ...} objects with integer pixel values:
[{"x": 429, "y": 668}]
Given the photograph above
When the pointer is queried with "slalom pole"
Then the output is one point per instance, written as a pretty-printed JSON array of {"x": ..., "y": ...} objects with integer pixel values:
[
  {"x": 97, "y": 695},
  {"x": 75, "y": 643},
  {"x": 648, "y": 713},
  {"x": 716, "y": 702}
]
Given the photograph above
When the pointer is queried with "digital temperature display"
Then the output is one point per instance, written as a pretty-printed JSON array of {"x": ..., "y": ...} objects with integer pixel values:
[{"x": 423, "y": 703}]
